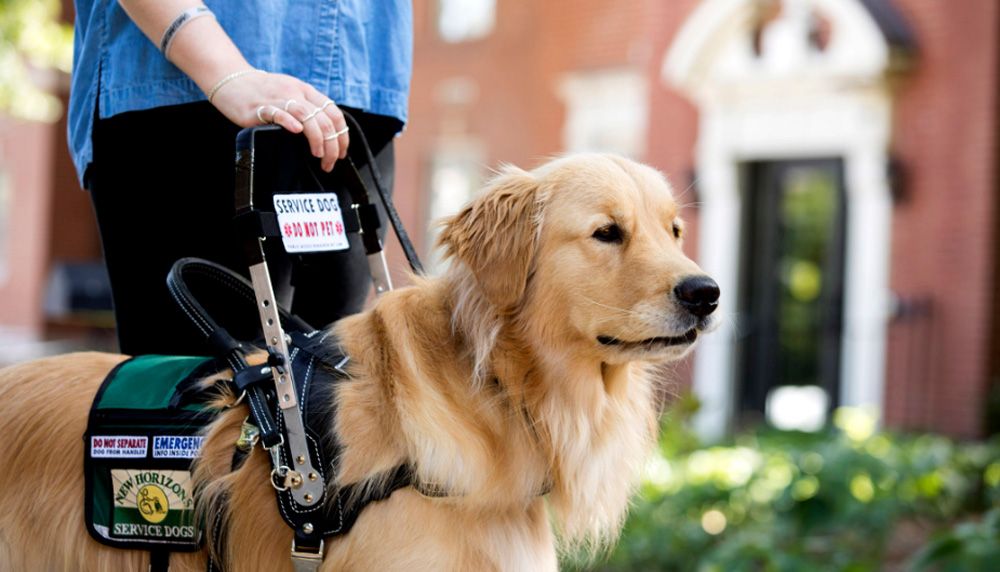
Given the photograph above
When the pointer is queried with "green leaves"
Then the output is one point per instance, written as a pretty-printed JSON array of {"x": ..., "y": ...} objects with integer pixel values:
[
  {"x": 35, "y": 49},
  {"x": 847, "y": 498}
]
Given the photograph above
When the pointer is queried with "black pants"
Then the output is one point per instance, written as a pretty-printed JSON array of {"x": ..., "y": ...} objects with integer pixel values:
[{"x": 162, "y": 184}]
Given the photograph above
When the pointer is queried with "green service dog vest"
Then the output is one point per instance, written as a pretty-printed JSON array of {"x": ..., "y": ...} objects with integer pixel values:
[{"x": 142, "y": 436}]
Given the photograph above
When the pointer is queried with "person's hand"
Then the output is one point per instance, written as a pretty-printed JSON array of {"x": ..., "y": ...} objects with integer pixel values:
[
  {"x": 203, "y": 51},
  {"x": 256, "y": 98}
]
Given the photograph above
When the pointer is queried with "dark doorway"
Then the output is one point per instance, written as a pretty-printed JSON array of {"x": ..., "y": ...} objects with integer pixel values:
[{"x": 792, "y": 269}]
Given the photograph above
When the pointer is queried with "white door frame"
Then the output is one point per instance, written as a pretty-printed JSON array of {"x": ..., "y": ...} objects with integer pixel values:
[{"x": 790, "y": 102}]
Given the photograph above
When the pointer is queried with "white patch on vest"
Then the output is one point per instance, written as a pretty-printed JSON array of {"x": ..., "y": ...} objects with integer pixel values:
[
  {"x": 118, "y": 447},
  {"x": 177, "y": 446}
]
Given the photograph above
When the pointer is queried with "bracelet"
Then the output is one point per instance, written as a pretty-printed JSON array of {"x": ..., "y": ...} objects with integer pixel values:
[
  {"x": 179, "y": 22},
  {"x": 228, "y": 79}
]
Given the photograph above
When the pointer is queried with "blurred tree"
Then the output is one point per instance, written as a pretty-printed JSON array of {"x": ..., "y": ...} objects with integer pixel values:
[{"x": 33, "y": 43}]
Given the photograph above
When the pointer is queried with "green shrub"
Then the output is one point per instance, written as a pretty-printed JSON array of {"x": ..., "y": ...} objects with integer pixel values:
[{"x": 827, "y": 501}]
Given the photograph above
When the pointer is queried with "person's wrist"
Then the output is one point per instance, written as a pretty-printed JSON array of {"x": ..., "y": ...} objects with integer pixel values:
[
  {"x": 204, "y": 52},
  {"x": 228, "y": 78},
  {"x": 178, "y": 23}
]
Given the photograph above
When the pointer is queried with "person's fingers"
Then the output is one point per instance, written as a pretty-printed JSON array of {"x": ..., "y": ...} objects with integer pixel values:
[
  {"x": 294, "y": 105},
  {"x": 306, "y": 114},
  {"x": 285, "y": 119},
  {"x": 334, "y": 124},
  {"x": 331, "y": 151},
  {"x": 340, "y": 126}
]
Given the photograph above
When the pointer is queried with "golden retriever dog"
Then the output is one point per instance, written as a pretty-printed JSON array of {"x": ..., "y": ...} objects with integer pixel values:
[{"x": 519, "y": 382}]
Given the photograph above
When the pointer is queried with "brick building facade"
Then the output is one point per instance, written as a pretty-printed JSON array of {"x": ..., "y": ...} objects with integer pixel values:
[
  {"x": 506, "y": 96},
  {"x": 894, "y": 99}
]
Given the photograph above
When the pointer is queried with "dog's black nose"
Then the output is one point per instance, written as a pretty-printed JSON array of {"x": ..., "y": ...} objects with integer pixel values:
[{"x": 699, "y": 294}]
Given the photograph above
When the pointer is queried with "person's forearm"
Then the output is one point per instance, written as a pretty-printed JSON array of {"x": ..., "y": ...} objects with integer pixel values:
[{"x": 201, "y": 49}]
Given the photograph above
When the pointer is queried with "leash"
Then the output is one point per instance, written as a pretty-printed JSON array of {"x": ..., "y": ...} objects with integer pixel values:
[{"x": 397, "y": 223}]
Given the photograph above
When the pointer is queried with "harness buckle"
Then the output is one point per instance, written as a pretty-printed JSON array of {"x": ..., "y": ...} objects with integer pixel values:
[{"x": 306, "y": 560}]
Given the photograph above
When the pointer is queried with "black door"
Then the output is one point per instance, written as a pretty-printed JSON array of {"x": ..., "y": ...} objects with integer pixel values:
[{"x": 792, "y": 267}]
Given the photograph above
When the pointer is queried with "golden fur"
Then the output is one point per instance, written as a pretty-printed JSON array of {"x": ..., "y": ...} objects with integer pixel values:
[{"x": 490, "y": 380}]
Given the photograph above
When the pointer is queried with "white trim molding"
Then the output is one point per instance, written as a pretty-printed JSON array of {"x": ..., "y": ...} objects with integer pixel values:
[{"x": 787, "y": 98}]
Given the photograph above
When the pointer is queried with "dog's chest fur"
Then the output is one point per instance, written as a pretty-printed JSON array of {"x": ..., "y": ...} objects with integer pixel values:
[{"x": 575, "y": 430}]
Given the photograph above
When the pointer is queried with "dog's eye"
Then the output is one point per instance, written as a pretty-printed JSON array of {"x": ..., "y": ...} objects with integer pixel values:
[
  {"x": 677, "y": 231},
  {"x": 609, "y": 233}
]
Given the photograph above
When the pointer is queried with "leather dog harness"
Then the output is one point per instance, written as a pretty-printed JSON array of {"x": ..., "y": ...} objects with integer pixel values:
[{"x": 284, "y": 394}]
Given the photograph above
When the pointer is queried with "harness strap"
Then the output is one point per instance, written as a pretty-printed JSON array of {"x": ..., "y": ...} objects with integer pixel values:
[
  {"x": 320, "y": 509},
  {"x": 218, "y": 536},
  {"x": 264, "y": 223},
  {"x": 390, "y": 210},
  {"x": 235, "y": 295},
  {"x": 234, "y": 298},
  {"x": 159, "y": 561}
]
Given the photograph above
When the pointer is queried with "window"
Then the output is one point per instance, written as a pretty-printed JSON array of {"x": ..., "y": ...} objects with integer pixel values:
[
  {"x": 606, "y": 110},
  {"x": 456, "y": 172},
  {"x": 465, "y": 20}
]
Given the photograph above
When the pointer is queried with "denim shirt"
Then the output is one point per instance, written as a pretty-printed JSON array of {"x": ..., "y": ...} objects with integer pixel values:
[{"x": 358, "y": 52}]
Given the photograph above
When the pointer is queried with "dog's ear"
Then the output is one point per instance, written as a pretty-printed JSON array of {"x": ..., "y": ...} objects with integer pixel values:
[{"x": 496, "y": 235}]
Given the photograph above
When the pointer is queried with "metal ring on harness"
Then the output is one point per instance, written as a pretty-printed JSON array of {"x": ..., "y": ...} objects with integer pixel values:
[
  {"x": 282, "y": 472},
  {"x": 238, "y": 401}
]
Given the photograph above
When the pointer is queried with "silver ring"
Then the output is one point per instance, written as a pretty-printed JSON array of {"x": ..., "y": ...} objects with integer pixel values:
[
  {"x": 337, "y": 134},
  {"x": 328, "y": 103},
  {"x": 273, "y": 111},
  {"x": 261, "y": 118},
  {"x": 310, "y": 116},
  {"x": 288, "y": 103}
]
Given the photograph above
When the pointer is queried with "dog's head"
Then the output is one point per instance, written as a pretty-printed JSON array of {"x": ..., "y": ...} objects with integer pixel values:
[{"x": 588, "y": 246}]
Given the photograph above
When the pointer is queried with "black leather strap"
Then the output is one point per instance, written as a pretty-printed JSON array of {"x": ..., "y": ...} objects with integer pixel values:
[
  {"x": 218, "y": 535},
  {"x": 390, "y": 210},
  {"x": 159, "y": 561},
  {"x": 264, "y": 224},
  {"x": 232, "y": 297}
]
